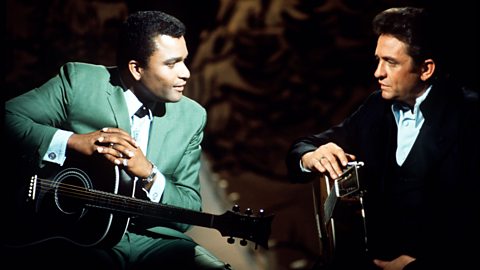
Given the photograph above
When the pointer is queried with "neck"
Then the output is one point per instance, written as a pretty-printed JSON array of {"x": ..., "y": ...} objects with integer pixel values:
[
  {"x": 126, "y": 79},
  {"x": 416, "y": 94},
  {"x": 128, "y": 82}
]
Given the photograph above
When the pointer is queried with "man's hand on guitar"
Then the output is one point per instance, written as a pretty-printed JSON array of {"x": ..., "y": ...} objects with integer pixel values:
[
  {"x": 327, "y": 158},
  {"x": 116, "y": 145},
  {"x": 397, "y": 264}
]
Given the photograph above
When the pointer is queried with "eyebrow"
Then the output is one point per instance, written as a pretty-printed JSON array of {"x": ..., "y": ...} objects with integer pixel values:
[{"x": 173, "y": 60}]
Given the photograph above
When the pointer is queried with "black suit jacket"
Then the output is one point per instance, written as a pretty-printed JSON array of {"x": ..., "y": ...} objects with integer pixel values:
[{"x": 429, "y": 210}]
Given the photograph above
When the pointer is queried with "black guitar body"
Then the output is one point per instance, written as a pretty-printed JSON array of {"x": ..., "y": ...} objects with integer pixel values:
[
  {"x": 349, "y": 248},
  {"x": 55, "y": 205}
]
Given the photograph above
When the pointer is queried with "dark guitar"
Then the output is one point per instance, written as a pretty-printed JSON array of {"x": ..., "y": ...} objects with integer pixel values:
[
  {"x": 340, "y": 216},
  {"x": 92, "y": 204}
]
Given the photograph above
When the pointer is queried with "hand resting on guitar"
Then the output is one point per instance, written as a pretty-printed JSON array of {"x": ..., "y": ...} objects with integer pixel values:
[{"x": 328, "y": 158}]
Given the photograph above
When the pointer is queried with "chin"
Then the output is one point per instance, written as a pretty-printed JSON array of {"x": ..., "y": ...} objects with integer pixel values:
[
  {"x": 386, "y": 95},
  {"x": 176, "y": 98}
]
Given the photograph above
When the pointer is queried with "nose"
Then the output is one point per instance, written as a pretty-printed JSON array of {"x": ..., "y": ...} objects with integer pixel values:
[
  {"x": 379, "y": 71},
  {"x": 184, "y": 72}
]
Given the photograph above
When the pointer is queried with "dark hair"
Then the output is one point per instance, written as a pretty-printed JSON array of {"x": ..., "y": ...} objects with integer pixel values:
[
  {"x": 136, "y": 35},
  {"x": 411, "y": 25}
]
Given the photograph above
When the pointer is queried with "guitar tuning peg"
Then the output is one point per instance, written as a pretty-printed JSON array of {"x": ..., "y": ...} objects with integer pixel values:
[
  {"x": 248, "y": 211},
  {"x": 230, "y": 240},
  {"x": 243, "y": 242},
  {"x": 236, "y": 208}
]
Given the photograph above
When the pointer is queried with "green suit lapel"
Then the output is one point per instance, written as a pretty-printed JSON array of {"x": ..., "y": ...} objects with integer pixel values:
[{"x": 116, "y": 100}]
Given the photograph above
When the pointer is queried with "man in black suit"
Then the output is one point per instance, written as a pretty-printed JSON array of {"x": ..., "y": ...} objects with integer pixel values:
[{"x": 418, "y": 137}]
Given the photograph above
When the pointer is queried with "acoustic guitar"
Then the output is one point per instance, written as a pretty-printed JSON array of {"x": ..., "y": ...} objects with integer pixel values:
[
  {"x": 93, "y": 203},
  {"x": 340, "y": 217}
]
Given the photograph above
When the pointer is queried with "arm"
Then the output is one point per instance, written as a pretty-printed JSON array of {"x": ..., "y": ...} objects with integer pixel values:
[
  {"x": 330, "y": 150},
  {"x": 32, "y": 119},
  {"x": 179, "y": 159}
]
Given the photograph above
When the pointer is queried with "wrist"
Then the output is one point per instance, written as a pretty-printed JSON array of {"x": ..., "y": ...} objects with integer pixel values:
[{"x": 151, "y": 177}]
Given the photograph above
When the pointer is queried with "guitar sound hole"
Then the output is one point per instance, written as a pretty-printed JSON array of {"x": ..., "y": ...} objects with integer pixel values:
[{"x": 71, "y": 191}]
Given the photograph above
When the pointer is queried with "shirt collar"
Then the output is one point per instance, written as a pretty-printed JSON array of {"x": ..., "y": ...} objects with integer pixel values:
[
  {"x": 133, "y": 103},
  {"x": 401, "y": 110}
]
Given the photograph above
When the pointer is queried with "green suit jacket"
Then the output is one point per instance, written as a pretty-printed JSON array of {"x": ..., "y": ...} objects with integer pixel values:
[{"x": 83, "y": 98}]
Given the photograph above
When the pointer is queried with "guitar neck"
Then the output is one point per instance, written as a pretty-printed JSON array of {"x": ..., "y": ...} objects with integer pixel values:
[
  {"x": 134, "y": 207},
  {"x": 329, "y": 205}
]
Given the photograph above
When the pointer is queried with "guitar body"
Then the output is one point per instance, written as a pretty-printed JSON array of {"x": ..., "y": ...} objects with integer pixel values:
[
  {"x": 54, "y": 205},
  {"x": 341, "y": 225},
  {"x": 89, "y": 203}
]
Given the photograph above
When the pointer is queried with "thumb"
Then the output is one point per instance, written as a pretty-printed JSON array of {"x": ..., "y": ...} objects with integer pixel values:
[{"x": 380, "y": 263}]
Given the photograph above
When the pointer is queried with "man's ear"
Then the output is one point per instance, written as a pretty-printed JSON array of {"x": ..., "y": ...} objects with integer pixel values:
[
  {"x": 428, "y": 68},
  {"x": 135, "y": 69}
]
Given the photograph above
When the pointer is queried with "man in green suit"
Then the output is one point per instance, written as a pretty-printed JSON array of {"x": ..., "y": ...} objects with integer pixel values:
[{"x": 134, "y": 118}]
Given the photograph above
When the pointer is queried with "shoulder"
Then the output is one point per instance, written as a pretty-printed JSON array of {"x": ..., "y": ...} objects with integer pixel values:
[
  {"x": 186, "y": 111},
  {"x": 471, "y": 95},
  {"x": 90, "y": 77},
  {"x": 187, "y": 105},
  {"x": 375, "y": 98},
  {"x": 455, "y": 94},
  {"x": 374, "y": 103},
  {"x": 83, "y": 70},
  {"x": 471, "y": 102}
]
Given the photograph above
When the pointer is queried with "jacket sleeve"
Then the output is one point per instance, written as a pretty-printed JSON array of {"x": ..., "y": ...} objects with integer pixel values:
[
  {"x": 344, "y": 135},
  {"x": 32, "y": 118}
]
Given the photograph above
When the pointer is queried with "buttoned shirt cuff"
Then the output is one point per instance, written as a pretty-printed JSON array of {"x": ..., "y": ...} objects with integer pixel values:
[
  {"x": 57, "y": 149},
  {"x": 303, "y": 168},
  {"x": 156, "y": 190}
]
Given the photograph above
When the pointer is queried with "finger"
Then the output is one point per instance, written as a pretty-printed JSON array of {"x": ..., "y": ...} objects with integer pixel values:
[
  {"x": 125, "y": 141},
  {"x": 325, "y": 163},
  {"x": 331, "y": 165},
  {"x": 112, "y": 130},
  {"x": 113, "y": 159},
  {"x": 111, "y": 150},
  {"x": 318, "y": 166},
  {"x": 117, "y": 136},
  {"x": 124, "y": 151},
  {"x": 345, "y": 158},
  {"x": 380, "y": 263}
]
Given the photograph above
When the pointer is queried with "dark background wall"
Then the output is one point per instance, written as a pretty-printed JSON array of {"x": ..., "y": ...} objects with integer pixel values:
[{"x": 267, "y": 71}]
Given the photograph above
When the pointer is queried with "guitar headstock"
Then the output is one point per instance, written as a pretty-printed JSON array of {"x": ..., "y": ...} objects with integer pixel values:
[{"x": 246, "y": 226}]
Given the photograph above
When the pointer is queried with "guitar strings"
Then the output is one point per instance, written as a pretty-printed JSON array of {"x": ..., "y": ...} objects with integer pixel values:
[
  {"x": 245, "y": 227},
  {"x": 105, "y": 198}
]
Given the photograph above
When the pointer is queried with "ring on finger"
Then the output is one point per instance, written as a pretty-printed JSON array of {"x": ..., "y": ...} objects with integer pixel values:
[
  {"x": 111, "y": 145},
  {"x": 125, "y": 162}
]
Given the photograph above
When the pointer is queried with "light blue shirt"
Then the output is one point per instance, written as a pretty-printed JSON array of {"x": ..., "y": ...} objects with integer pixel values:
[
  {"x": 140, "y": 129},
  {"x": 409, "y": 122}
]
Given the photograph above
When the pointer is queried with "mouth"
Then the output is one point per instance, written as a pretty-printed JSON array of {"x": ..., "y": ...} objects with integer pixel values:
[
  {"x": 383, "y": 86},
  {"x": 179, "y": 87}
]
